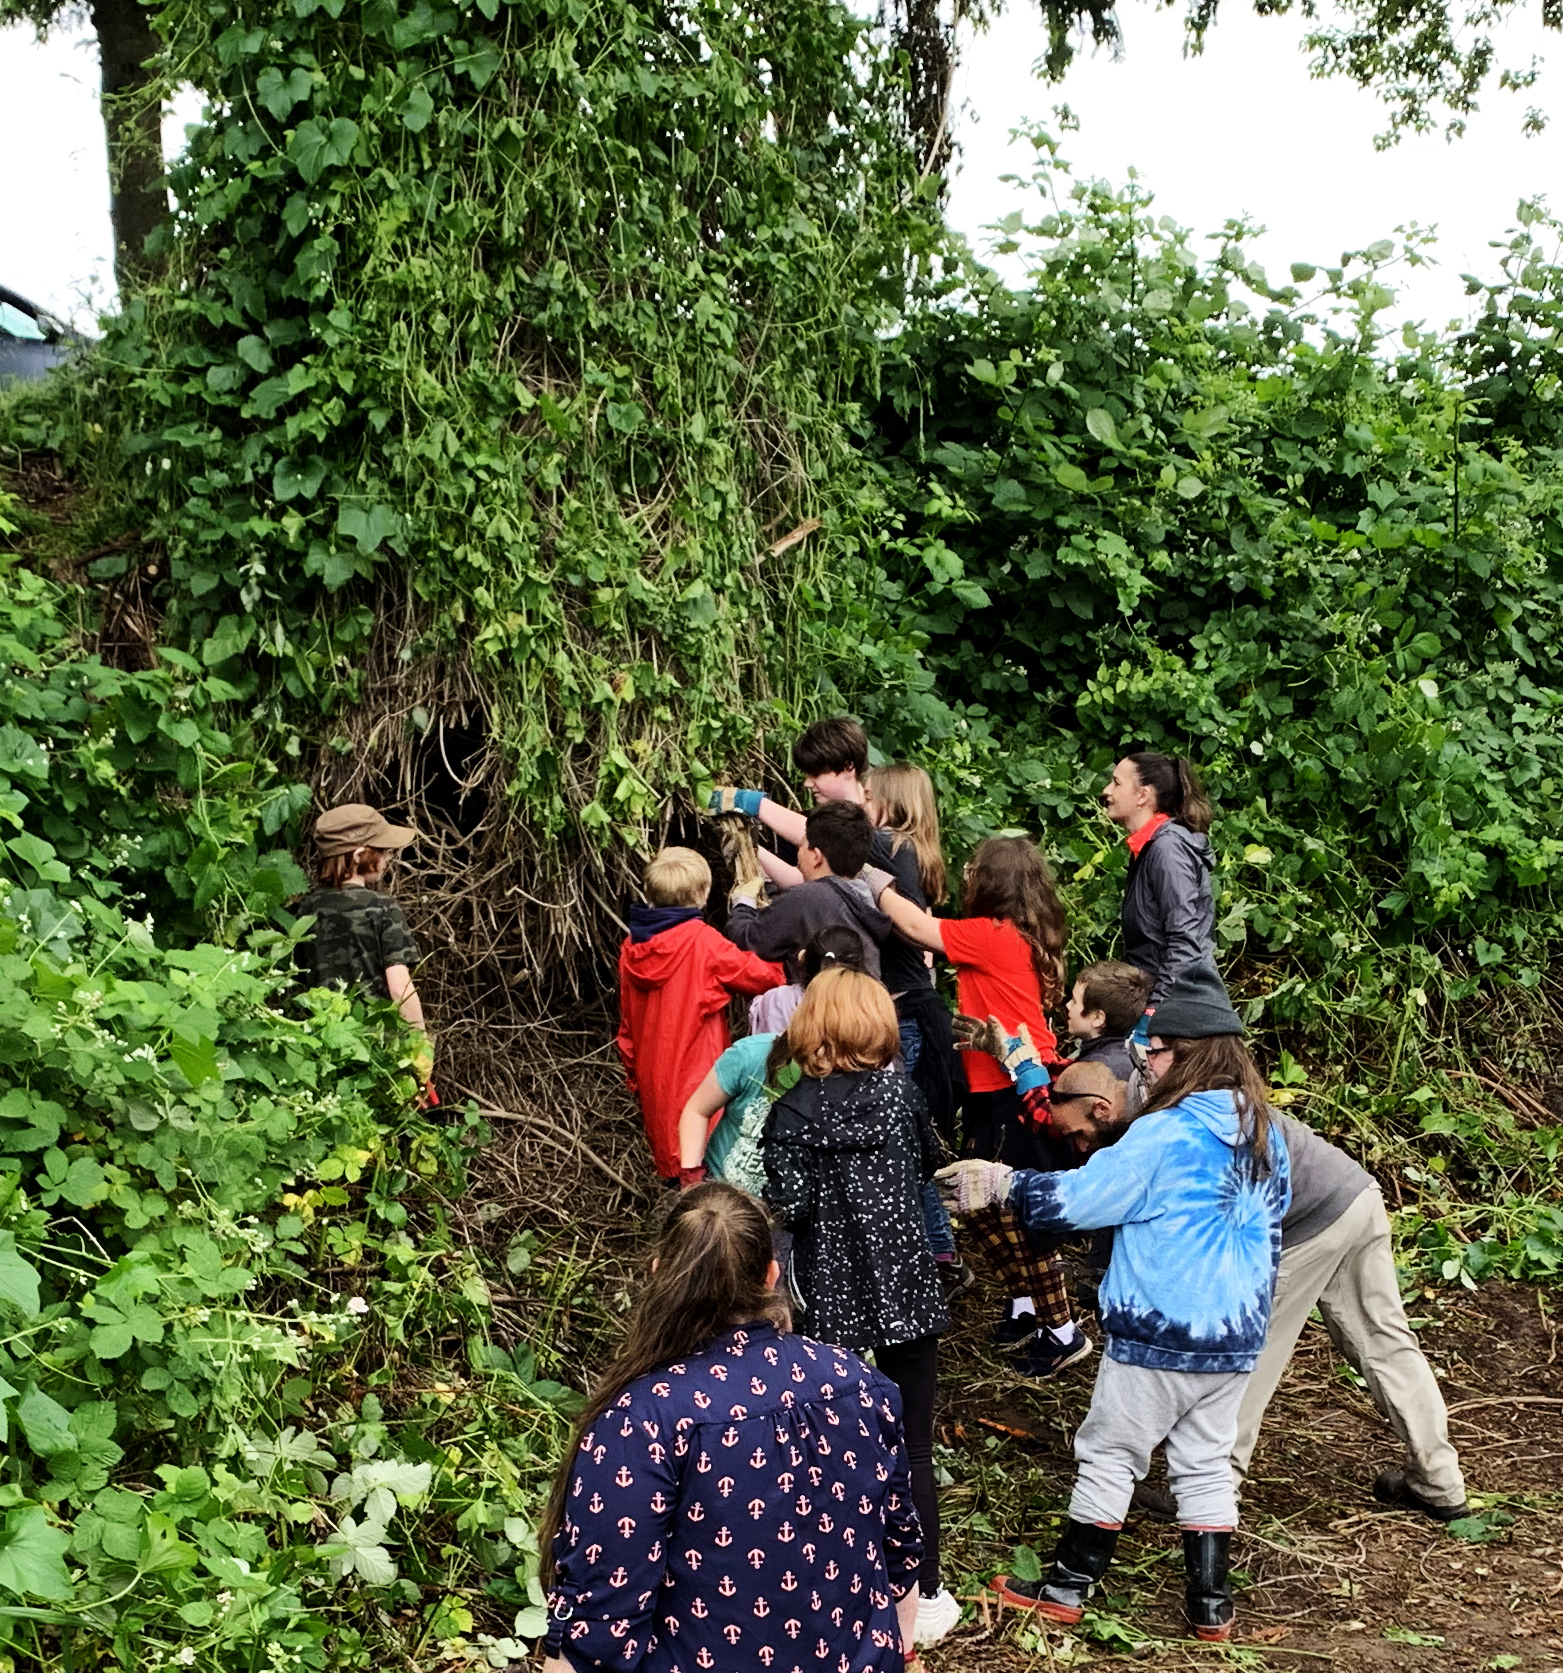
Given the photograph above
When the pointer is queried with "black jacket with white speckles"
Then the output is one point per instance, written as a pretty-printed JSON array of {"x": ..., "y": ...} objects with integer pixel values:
[{"x": 844, "y": 1158}]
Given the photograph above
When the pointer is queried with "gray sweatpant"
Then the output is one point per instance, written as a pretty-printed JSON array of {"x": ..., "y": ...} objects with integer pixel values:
[
  {"x": 1348, "y": 1272},
  {"x": 1133, "y": 1410}
]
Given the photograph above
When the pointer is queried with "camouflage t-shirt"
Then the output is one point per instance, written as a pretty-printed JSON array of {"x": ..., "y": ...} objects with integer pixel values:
[{"x": 358, "y": 934}]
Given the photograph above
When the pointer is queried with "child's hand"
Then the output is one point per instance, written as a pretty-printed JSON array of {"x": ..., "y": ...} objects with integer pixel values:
[
  {"x": 967, "y": 1186},
  {"x": 736, "y": 801},
  {"x": 975, "y": 1034},
  {"x": 747, "y": 893}
]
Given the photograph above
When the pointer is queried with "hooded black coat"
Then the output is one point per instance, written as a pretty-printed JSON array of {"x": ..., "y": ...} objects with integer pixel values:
[
  {"x": 1169, "y": 912},
  {"x": 846, "y": 1156}
]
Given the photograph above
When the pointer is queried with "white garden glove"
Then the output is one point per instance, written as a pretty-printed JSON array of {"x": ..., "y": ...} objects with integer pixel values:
[{"x": 967, "y": 1186}]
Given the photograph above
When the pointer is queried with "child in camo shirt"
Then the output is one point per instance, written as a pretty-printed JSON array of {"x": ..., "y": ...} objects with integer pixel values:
[{"x": 360, "y": 940}]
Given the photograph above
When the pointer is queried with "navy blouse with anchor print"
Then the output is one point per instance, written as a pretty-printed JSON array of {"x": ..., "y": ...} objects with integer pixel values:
[{"x": 747, "y": 1510}]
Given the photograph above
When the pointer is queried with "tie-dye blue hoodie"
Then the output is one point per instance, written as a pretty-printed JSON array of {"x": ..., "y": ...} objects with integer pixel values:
[{"x": 1194, "y": 1261}]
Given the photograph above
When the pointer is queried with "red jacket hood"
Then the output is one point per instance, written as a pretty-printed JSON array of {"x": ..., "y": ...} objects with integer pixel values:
[{"x": 651, "y": 964}]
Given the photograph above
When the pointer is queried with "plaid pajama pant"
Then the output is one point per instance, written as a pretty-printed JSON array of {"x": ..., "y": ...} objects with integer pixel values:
[{"x": 1023, "y": 1269}]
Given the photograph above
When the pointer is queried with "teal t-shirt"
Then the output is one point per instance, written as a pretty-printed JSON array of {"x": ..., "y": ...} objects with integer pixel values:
[{"x": 733, "y": 1150}]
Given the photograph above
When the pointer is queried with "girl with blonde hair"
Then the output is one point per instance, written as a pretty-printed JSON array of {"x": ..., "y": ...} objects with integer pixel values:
[{"x": 847, "y": 1151}]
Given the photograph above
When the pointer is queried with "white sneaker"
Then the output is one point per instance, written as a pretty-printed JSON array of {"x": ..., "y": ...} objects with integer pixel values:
[{"x": 935, "y": 1616}]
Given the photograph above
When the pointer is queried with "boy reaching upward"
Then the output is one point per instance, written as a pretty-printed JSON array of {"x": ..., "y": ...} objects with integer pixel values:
[
  {"x": 676, "y": 975},
  {"x": 837, "y": 838}
]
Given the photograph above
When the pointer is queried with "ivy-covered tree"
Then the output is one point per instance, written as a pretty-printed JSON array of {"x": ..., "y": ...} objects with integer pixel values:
[{"x": 138, "y": 202}]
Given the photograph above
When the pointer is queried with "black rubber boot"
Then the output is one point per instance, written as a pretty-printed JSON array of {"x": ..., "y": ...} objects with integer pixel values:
[
  {"x": 1079, "y": 1561},
  {"x": 1206, "y": 1556}
]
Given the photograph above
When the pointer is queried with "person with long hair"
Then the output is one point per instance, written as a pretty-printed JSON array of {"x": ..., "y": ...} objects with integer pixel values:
[
  {"x": 1197, "y": 1188},
  {"x": 1168, "y": 908},
  {"x": 732, "y": 1491},
  {"x": 847, "y": 1150},
  {"x": 1007, "y": 948}
]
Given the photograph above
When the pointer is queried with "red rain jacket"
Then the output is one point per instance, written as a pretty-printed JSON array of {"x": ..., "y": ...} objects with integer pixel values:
[{"x": 673, "y": 995}]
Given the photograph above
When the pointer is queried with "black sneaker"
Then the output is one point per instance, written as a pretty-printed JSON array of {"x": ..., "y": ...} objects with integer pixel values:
[
  {"x": 1047, "y": 1356},
  {"x": 1391, "y": 1488},
  {"x": 956, "y": 1276},
  {"x": 1011, "y": 1335}
]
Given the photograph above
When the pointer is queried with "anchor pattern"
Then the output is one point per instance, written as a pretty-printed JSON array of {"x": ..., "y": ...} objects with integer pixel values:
[{"x": 748, "y": 1510}]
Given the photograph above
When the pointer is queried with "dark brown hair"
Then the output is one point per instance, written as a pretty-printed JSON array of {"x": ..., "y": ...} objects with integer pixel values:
[
  {"x": 708, "y": 1275},
  {"x": 1009, "y": 878},
  {"x": 831, "y": 746},
  {"x": 1118, "y": 991},
  {"x": 842, "y": 833},
  {"x": 333, "y": 871},
  {"x": 832, "y": 947},
  {"x": 1221, "y": 1063},
  {"x": 1179, "y": 794}
]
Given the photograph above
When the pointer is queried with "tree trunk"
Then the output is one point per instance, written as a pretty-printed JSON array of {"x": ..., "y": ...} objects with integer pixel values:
[{"x": 133, "y": 125}]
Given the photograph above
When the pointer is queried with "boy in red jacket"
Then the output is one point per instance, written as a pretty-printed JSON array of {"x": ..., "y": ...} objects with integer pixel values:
[{"x": 676, "y": 975}]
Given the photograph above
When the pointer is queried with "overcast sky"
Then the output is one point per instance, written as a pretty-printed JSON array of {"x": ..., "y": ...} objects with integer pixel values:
[{"x": 1240, "y": 130}]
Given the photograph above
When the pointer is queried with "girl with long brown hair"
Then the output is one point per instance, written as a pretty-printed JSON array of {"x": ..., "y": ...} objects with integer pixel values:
[
  {"x": 1007, "y": 948},
  {"x": 709, "y": 1445},
  {"x": 847, "y": 1151},
  {"x": 1196, "y": 1187}
]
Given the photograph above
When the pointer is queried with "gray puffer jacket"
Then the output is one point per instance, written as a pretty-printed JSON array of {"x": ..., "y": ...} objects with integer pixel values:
[{"x": 1169, "y": 912}]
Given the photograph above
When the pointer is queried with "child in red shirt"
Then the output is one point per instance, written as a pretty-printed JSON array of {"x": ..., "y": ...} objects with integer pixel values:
[
  {"x": 676, "y": 976},
  {"x": 1008, "y": 955}
]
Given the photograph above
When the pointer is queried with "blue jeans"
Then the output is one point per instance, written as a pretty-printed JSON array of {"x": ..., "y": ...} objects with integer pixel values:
[{"x": 936, "y": 1217}]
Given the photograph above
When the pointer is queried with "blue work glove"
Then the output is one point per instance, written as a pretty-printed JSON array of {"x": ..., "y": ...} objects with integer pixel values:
[
  {"x": 736, "y": 801},
  {"x": 1139, "y": 1042},
  {"x": 1014, "y": 1051}
]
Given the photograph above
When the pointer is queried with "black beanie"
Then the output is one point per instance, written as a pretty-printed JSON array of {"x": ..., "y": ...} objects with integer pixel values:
[{"x": 1196, "y": 1007}]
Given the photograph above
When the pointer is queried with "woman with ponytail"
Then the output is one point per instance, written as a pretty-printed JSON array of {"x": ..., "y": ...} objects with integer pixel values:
[
  {"x": 714, "y": 1444},
  {"x": 1168, "y": 909}
]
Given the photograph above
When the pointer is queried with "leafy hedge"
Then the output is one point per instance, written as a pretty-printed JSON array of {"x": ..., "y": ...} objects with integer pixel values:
[
  {"x": 1154, "y": 499},
  {"x": 226, "y": 1259}
]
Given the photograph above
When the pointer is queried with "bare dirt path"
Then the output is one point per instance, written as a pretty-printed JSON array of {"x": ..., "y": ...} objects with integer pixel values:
[{"x": 1327, "y": 1575}]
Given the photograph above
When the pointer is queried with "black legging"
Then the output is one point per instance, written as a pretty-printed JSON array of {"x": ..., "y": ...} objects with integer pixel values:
[{"x": 914, "y": 1369}]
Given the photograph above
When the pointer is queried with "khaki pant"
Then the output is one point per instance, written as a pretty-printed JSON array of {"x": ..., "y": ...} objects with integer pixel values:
[{"x": 1348, "y": 1272}]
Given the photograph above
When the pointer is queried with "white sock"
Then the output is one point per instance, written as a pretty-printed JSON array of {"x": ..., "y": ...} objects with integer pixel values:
[
  {"x": 1061, "y": 1332},
  {"x": 1021, "y": 1304}
]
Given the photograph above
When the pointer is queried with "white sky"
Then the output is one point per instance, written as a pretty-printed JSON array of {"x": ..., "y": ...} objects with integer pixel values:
[{"x": 1242, "y": 129}]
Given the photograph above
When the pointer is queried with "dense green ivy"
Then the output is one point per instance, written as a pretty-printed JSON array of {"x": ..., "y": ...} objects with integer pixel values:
[{"x": 498, "y": 341}]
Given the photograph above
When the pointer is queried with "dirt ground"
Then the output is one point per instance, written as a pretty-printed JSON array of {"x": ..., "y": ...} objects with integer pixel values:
[{"x": 1325, "y": 1574}]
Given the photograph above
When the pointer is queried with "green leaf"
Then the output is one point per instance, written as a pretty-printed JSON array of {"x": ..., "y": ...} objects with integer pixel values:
[
  {"x": 18, "y": 1278},
  {"x": 368, "y": 525},
  {"x": 417, "y": 110},
  {"x": 38, "y": 854},
  {"x": 625, "y": 416},
  {"x": 254, "y": 353},
  {"x": 293, "y": 479},
  {"x": 1303, "y": 271},
  {"x": 1190, "y": 487},
  {"x": 32, "y": 1555},
  {"x": 1100, "y": 423},
  {"x": 1073, "y": 478},
  {"x": 1426, "y": 646},
  {"x": 1025, "y": 1564},
  {"x": 1483, "y": 1528},
  {"x": 197, "y": 1061},
  {"x": 356, "y": 1548},
  {"x": 315, "y": 147},
  {"x": 280, "y": 93},
  {"x": 45, "y": 1423}
]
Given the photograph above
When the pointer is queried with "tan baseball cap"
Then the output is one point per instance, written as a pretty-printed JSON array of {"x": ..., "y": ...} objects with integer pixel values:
[{"x": 356, "y": 825}]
